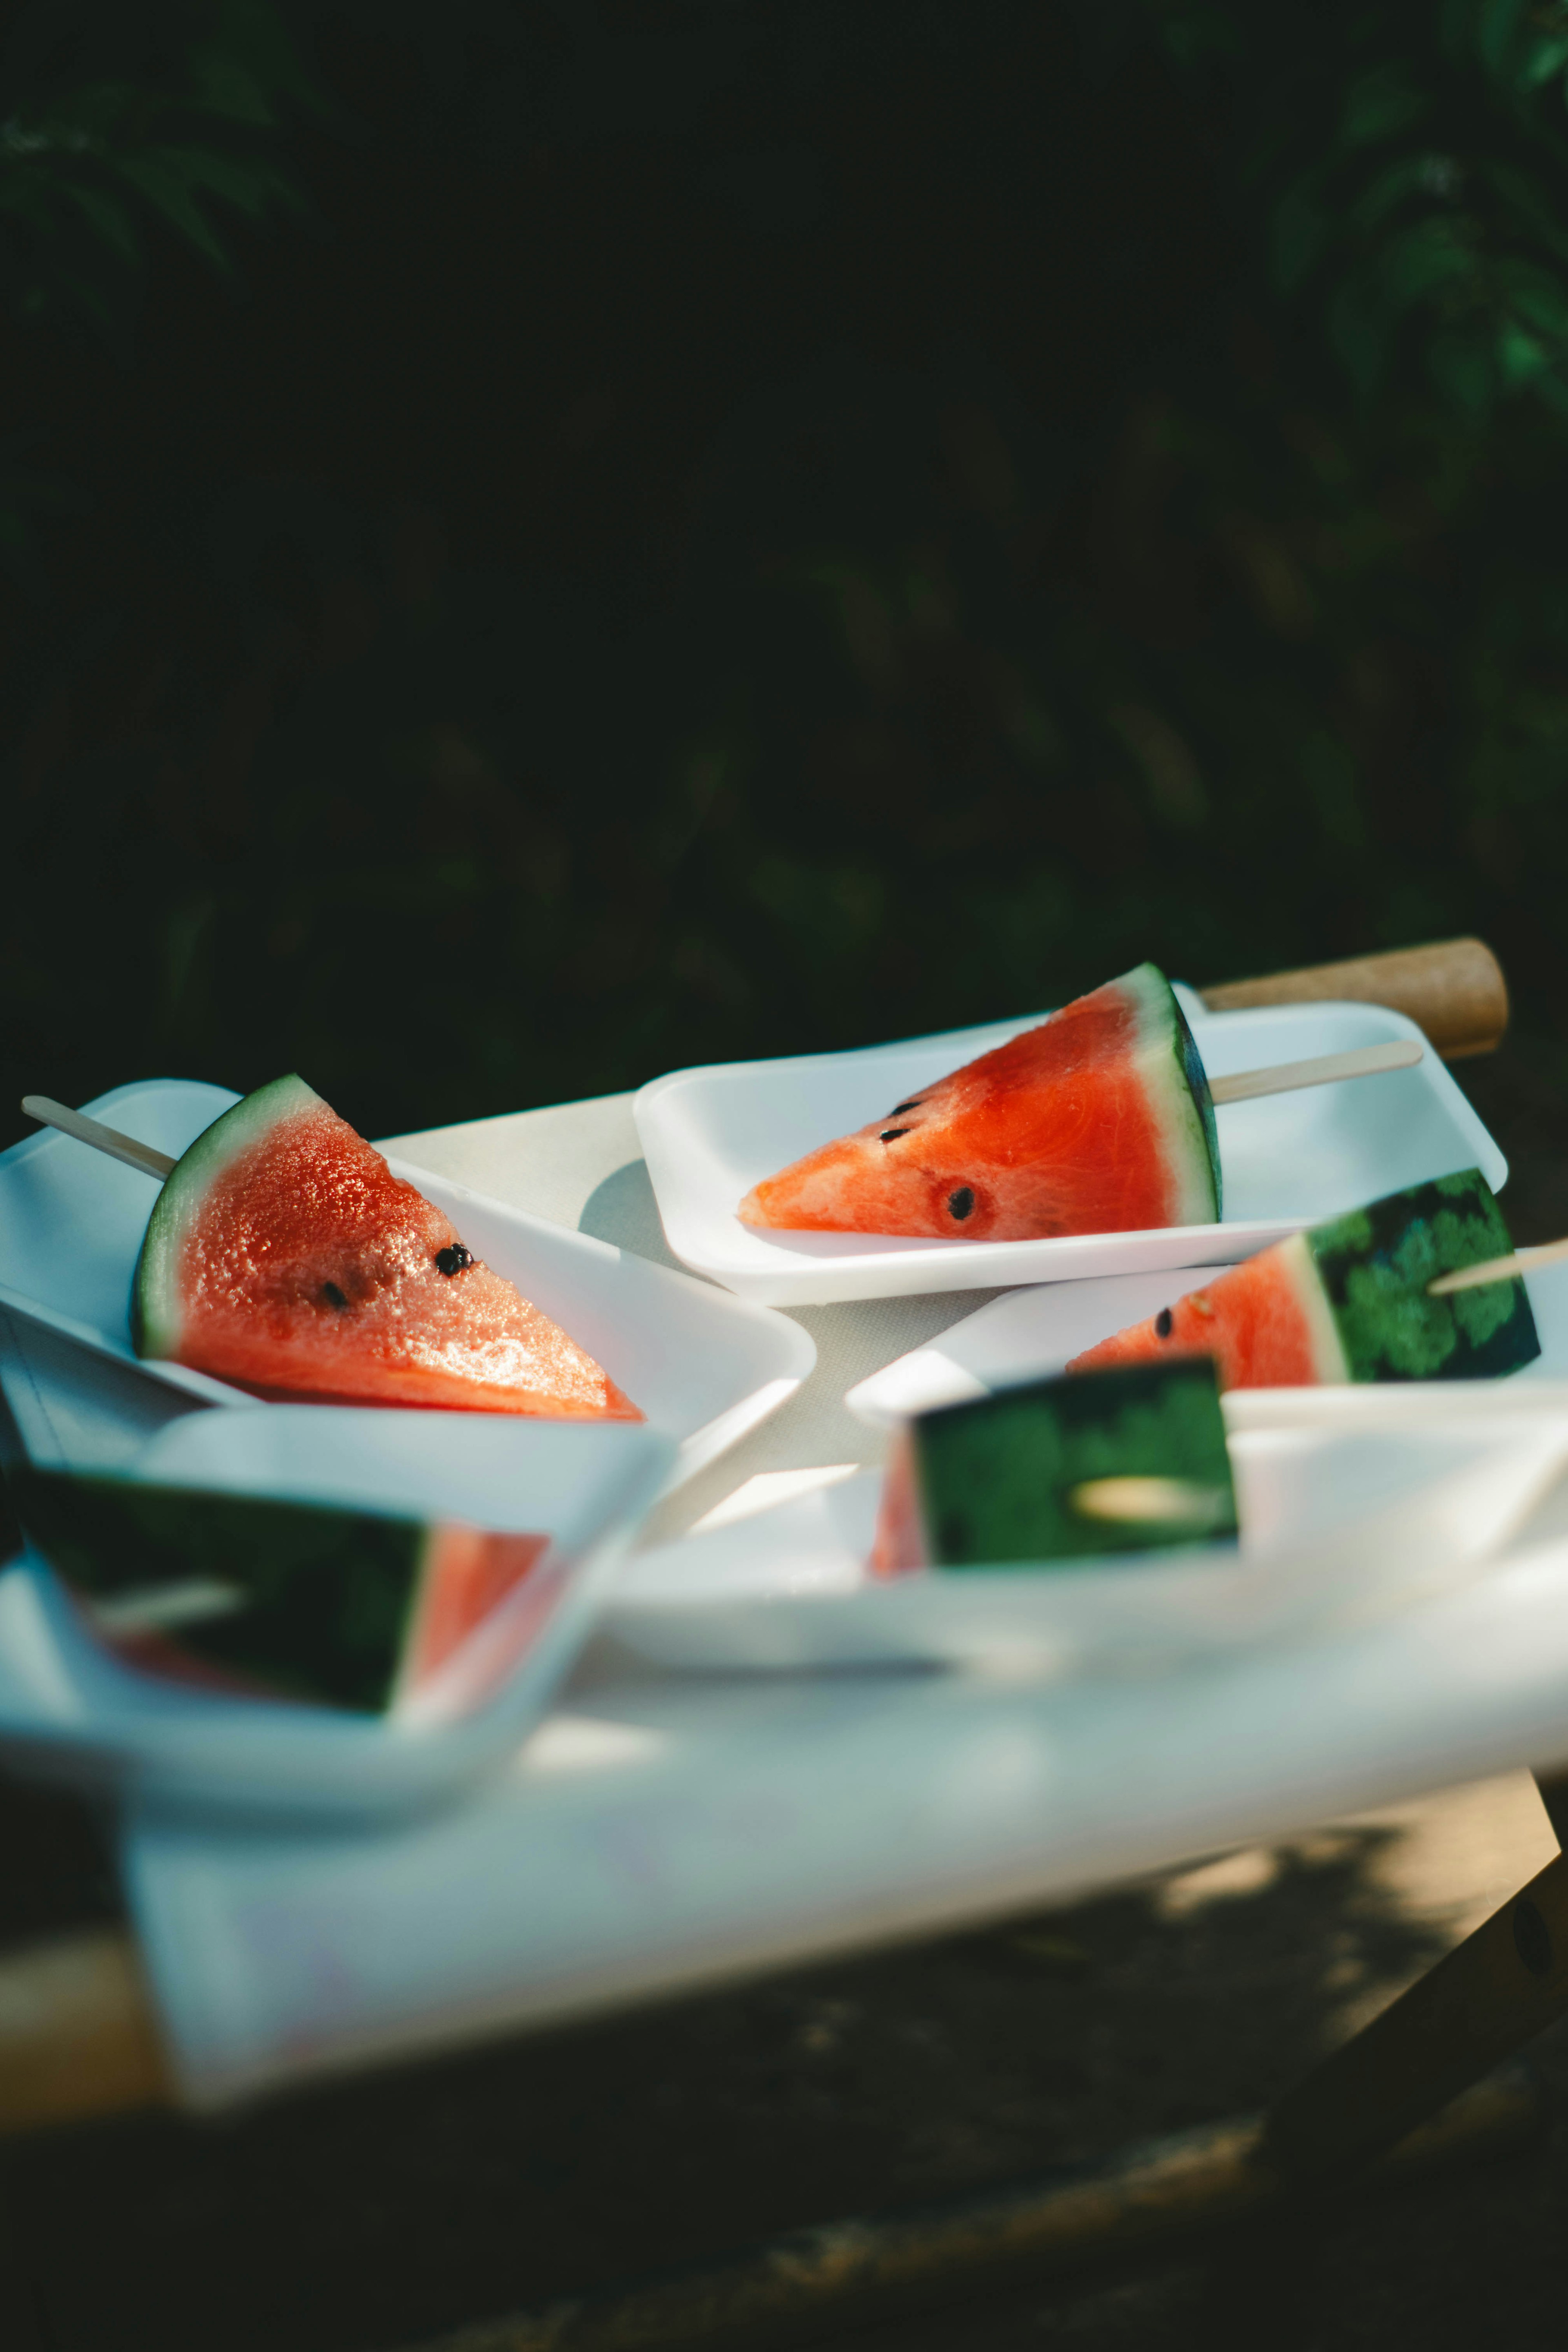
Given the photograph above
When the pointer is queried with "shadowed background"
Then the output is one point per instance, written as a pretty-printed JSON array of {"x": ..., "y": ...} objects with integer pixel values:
[{"x": 546, "y": 542}]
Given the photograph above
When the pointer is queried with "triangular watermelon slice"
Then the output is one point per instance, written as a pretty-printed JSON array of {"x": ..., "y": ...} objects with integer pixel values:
[
  {"x": 1348, "y": 1301},
  {"x": 1131, "y": 1459},
  {"x": 283, "y": 1254},
  {"x": 1097, "y": 1121},
  {"x": 242, "y": 1593}
]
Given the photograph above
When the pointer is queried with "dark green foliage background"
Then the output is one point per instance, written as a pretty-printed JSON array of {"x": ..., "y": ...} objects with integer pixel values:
[{"x": 547, "y": 543}]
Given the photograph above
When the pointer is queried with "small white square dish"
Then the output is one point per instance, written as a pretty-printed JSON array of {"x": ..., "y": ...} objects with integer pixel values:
[
  {"x": 705, "y": 1367},
  {"x": 72, "y": 1710},
  {"x": 1288, "y": 1159},
  {"x": 1031, "y": 1334},
  {"x": 1339, "y": 1524}
]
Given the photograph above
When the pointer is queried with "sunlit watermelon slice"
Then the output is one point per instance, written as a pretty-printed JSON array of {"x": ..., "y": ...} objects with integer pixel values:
[
  {"x": 342, "y": 1608},
  {"x": 1097, "y": 1121},
  {"x": 283, "y": 1254},
  {"x": 1348, "y": 1301},
  {"x": 1131, "y": 1459}
]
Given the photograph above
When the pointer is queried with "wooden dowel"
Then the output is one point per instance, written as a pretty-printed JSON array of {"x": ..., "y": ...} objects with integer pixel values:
[
  {"x": 1453, "y": 989},
  {"x": 1320, "y": 1070},
  {"x": 1498, "y": 1269},
  {"x": 101, "y": 1137},
  {"x": 77, "y": 2032}
]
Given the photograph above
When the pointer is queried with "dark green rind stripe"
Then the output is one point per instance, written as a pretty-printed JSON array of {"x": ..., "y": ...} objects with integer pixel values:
[
  {"x": 994, "y": 1476},
  {"x": 154, "y": 1306},
  {"x": 1196, "y": 1077},
  {"x": 1179, "y": 1089},
  {"x": 329, "y": 1594},
  {"x": 1375, "y": 1264}
]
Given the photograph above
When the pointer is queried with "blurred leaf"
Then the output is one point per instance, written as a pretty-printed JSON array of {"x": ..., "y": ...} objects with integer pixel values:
[{"x": 200, "y": 134}]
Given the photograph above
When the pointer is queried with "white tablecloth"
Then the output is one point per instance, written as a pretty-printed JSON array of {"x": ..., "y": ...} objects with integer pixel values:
[{"x": 659, "y": 1835}]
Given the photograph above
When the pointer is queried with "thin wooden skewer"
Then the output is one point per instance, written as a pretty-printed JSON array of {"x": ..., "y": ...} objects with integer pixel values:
[
  {"x": 1361, "y": 1062},
  {"x": 1498, "y": 1269},
  {"x": 101, "y": 1137}
]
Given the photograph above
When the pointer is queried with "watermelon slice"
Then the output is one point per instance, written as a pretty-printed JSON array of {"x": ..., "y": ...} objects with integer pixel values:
[
  {"x": 1097, "y": 1121},
  {"x": 1347, "y": 1301},
  {"x": 283, "y": 1254},
  {"x": 340, "y": 1608},
  {"x": 1132, "y": 1459}
]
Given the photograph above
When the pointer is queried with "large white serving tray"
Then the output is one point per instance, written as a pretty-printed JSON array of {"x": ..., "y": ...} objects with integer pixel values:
[
  {"x": 1031, "y": 1334},
  {"x": 1342, "y": 1524},
  {"x": 75, "y": 1712},
  {"x": 705, "y": 1367},
  {"x": 1289, "y": 1160}
]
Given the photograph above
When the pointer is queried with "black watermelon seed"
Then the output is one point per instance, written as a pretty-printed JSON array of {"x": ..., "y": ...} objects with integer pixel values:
[
  {"x": 1165, "y": 1324},
  {"x": 454, "y": 1257},
  {"x": 960, "y": 1204},
  {"x": 333, "y": 1295},
  {"x": 891, "y": 1134},
  {"x": 908, "y": 1106}
]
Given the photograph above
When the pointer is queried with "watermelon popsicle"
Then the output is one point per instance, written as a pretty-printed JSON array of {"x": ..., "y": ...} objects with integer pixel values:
[
  {"x": 283, "y": 1254},
  {"x": 1130, "y": 1459},
  {"x": 342, "y": 1608},
  {"x": 1351, "y": 1300},
  {"x": 1098, "y": 1120}
]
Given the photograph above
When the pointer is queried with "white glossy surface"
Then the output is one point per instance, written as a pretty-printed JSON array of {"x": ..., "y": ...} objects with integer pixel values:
[
  {"x": 1339, "y": 1525},
  {"x": 1033, "y": 1333},
  {"x": 77, "y": 1710},
  {"x": 657, "y": 1834},
  {"x": 1288, "y": 1159},
  {"x": 703, "y": 1367},
  {"x": 656, "y": 1837}
]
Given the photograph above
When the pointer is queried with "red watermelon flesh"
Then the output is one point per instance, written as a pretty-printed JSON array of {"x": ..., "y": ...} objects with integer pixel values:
[
  {"x": 899, "y": 1545},
  {"x": 1349, "y": 1299},
  {"x": 284, "y": 1256},
  {"x": 1096, "y": 1122},
  {"x": 1266, "y": 1323},
  {"x": 467, "y": 1573}
]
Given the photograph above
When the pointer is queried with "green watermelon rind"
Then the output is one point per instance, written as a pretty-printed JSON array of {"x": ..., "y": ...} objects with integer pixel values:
[
  {"x": 1178, "y": 1085},
  {"x": 1375, "y": 1265},
  {"x": 993, "y": 1475},
  {"x": 329, "y": 1596},
  {"x": 157, "y": 1317}
]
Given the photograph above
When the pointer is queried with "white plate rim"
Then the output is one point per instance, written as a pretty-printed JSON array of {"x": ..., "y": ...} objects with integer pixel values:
[
  {"x": 796, "y": 1349},
  {"x": 273, "y": 1759}
]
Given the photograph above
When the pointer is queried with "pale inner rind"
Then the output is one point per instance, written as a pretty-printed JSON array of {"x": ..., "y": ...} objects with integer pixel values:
[
  {"x": 1182, "y": 1141},
  {"x": 1300, "y": 1268},
  {"x": 177, "y": 1205}
]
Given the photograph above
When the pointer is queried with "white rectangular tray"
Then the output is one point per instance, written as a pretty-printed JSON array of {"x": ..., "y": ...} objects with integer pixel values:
[
  {"x": 1031, "y": 1334},
  {"x": 1342, "y": 1525},
  {"x": 704, "y": 1368},
  {"x": 79, "y": 1713},
  {"x": 1288, "y": 1159}
]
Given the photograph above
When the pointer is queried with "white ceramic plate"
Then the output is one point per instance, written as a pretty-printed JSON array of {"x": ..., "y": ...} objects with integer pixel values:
[
  {"x": 77, "y": 1713},
  {"x": 1340, "y": 1524},
  {"x": 704, "y": 1368},
  {"x": 1288, "y": 1159},
  {"x": 1031, "y": 1334}
]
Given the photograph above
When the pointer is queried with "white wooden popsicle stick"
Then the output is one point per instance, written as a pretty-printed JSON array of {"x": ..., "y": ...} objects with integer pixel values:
[
  {"x": 1498, "y": 1269},
  {"x": 101, "y": 1137},
  {"x": 1360, "y": 1062}
]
